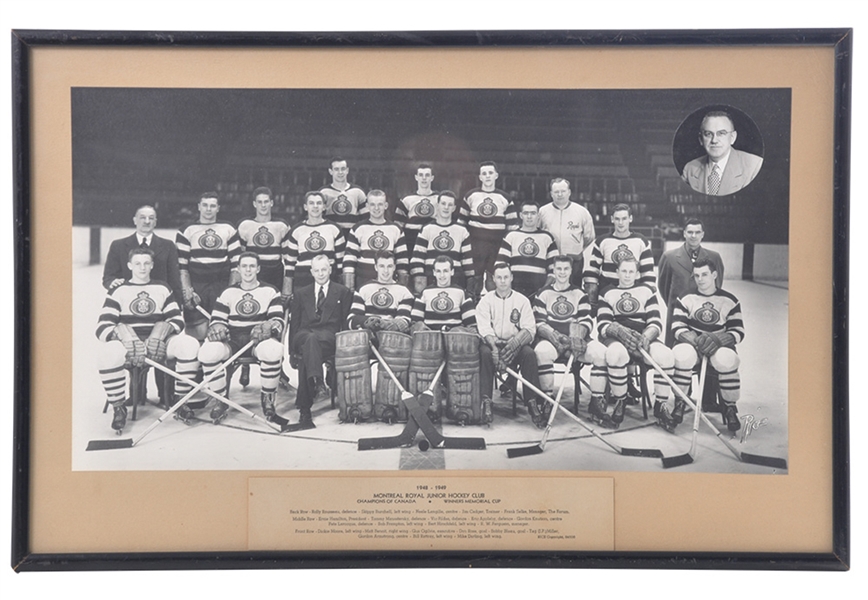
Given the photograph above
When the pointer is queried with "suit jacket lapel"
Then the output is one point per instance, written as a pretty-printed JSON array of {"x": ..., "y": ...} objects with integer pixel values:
[
  {"x": 684, "y": 258},
  {"x": 329, "y": 305}
]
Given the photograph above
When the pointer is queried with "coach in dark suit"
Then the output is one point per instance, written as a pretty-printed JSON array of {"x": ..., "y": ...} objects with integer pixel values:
[
  {"x": 319, "y": 311},
  {"x": 116, "y": 271},
  {"x": 675, "y": 273},
  {"x": 723, "y": 170}
]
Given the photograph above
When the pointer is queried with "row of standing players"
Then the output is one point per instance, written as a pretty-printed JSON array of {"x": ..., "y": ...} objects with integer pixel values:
[{"x": 486, "y": 231}]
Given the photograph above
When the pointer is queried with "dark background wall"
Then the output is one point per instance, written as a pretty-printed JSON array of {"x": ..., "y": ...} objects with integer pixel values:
[{"x": 166, "y": 146}]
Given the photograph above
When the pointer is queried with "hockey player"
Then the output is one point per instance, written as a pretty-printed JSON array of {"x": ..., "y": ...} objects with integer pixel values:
[
  {"x": 207, "y": 256},
  {"x": 443, "y": 237},
  {"x": 571, "y": 225},
  {"x": 344, "y": 202},
  {"x": 628, "y": 318},
  {"x": 529, "y": 252},
  {"x": 506, "y": 322},
  {"x": 139, "y": 319},
  {"x": 315, "y": 235},
  {"x": 563, "y": 325},
  {"x": 708, "y": 322},
  {"x": 248, "y": 310},
  {"x": 609, "y": 250},
  {"x": 262, "y": 235},
  {"x": 415, "y": 211},
  {"x": 370, "y": 236},
  {"x": 489, "y": 214},
  {"x": 382, "y": 304},
  {"x": 443, "y": 306}
]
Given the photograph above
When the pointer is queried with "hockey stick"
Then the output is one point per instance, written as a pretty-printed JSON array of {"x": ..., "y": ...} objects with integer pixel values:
[
  {"x": 276, "y": 423},
  {"x": 539, "y": 448},
  {"x": 647, "y": 452},
  {"x": 436, "y": 439},
  {"x": 408, "y": 435},
  {"x": 129, "y": 443},
  {"x": 684, "y": 459},
  {"x": 756, "y": 459}
]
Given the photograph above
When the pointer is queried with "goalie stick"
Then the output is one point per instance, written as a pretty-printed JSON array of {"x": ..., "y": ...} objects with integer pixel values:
[
  {"x": 129, "y": 442},
  {"x": 646, "y": 452},
  {"x": 420, "y": 416},
  {"x": 686, "y": 459},
  {"x": 408, "y": 436},
  {"x": 756, "y": 459},
  {"x": 539, "y": 448}
]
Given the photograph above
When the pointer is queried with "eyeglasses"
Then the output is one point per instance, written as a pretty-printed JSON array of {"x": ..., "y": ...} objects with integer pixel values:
[{"x": 711, "y": 134}]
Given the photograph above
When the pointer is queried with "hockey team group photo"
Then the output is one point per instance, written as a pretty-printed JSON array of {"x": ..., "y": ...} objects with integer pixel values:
[{"x": 426, "y": 279}]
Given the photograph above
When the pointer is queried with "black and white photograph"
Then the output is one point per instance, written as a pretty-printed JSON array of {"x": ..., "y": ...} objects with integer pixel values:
[{"x": 426, "y": 279}]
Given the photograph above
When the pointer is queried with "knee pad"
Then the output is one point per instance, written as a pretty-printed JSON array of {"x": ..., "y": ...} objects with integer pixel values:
[
  {"x": 545, "y": 352},
  {"x": 725, "y": 360},
  {"x": 213, "y": 352},
  {"x": 617, "y": 355},
  {"x": 662, "y": 355},
  {"x": 111, "y": 355},
  {"x": 684, "y": 355},
  {"x": 269, "y": 351},
  {"x": 182, "y": 347},
  {"x": 596, "y": 354}
]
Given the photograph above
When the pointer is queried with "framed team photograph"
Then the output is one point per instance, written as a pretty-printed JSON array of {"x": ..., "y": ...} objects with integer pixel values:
[{"x": 426, "y": 314}]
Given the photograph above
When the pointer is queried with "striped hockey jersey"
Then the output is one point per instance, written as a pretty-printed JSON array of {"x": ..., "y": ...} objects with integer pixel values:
[
  {"x": 380, "y": 300},
  {"x": 364, "y": 240},
  {"x": 139, "y": 305},
  {"x": 529, "y": 254},
  {"x": 263, "y": 239},
  {"x": 452, "y": 240},
  {"x": 635, "y": 307},
  {"x": 489, "y": 211},
  {"x": 608, "y": 251},
  {"x": 440, "y": 307},
  {"x": 559, "y": 308},
  {"x": 304, "y": 241},
  {"x": 415, "y": 211},
  {"x": 241, "y": 309},
  {"x": 716, "y": 313},
  {"x": 206, "y": 250},
  {"x": 345, "y": 207}
]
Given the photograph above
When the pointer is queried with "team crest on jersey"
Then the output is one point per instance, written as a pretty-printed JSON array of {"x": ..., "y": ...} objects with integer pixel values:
[
  {"x": 707, "y": 314},
  {"x": 528, "y": 248},
  {"x": 424, "y": 208},
  {"x": 382, "y": 298},
  {"x": 562, "y": 307},
  {"x": 143, "y": 305},
  {"x": 210, "y": 240},
  {"x": 621, "y": 252},
  {"x": 378, "y": 241},
  {"x": 515, "y": 317},
  {"x": 263, "y": 238},
  {"x": 315, "y": 243},
  {"x": 443, "y": 242},
  {"x": 247, "y": 306},
  {"x": 627, "y": 305},
  {"x": 341, "y": 206},
  {"x": 488, "y": 208},
  {"x": 442, "y": 303}
]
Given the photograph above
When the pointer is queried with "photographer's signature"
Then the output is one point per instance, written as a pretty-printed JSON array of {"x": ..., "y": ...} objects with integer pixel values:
[{"x": 750, "y": 424}]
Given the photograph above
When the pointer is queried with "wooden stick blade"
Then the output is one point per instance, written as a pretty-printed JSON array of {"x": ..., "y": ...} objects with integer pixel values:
[
  {"x": 109, "y": 444},
  {"x": 766, "y": 461},
  {"x": 525, "y": 451},
  {"x": 384, "y": 443},
  {"x": 645, "y": 452},
  {"x": 463, "y": 443},
  {"x": 677, "y": 461}
]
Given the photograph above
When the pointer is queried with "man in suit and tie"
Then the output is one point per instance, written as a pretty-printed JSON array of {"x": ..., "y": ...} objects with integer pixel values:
[
  {"x": 116, "y": 271},
  {"x": 723, "y": 170},
  {"x": 319, "y": 311},
  {"x": 675, "y": 276}
]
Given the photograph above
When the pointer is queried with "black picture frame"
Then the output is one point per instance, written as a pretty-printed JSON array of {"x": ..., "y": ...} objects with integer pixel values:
[{"x": 23, "y": 41}]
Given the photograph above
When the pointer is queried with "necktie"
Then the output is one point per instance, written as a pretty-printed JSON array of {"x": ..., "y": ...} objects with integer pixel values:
[
  {"x": 320, "y": 300},
  {"x": 714, "y": 181},
  {"x": 144, "y": 243}
]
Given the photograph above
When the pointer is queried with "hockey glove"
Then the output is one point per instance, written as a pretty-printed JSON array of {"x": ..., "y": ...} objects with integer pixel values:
[
  {"x": 260, "y": 332},
  {"x": 373, "y": 324},
  {"x": 218, "y": 332},
  {"x": 707, "y": 344},
  {"x": 631, "y": 339},
  {"x": 135, "y": 347},
  {"x": 155, "y": 345}
]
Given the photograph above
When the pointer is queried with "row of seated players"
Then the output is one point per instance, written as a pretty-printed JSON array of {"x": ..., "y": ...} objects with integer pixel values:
[{"x": 141, "y": 319}]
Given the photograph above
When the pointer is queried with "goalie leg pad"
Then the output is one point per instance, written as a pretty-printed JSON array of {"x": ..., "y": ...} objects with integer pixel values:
[
  {"x": 355, "y": 401},
  {"x": 464, "y": 398},
  {"x": 425, "y": 359},
  {"x": 395, "y": 348}
]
